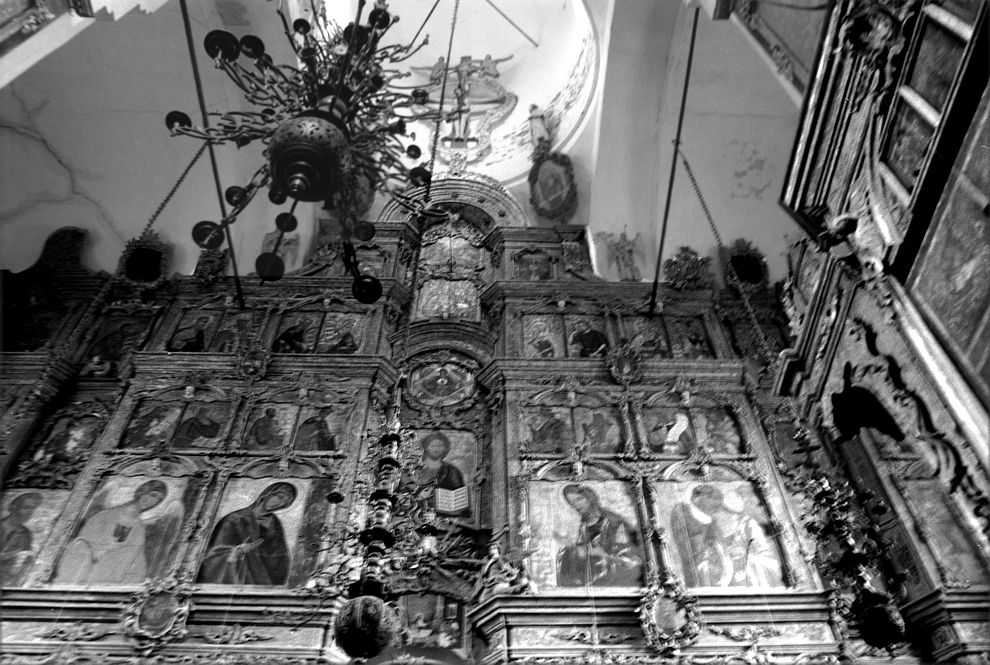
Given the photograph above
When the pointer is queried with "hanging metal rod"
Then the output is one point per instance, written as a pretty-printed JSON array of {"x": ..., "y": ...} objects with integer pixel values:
[
  {"x": 673, "y": 165},
  {"x": 213, "y": 156}
]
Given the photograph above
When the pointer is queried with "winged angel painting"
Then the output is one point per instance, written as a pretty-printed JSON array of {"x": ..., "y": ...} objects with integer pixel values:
[{"x": 130, "y": 532}]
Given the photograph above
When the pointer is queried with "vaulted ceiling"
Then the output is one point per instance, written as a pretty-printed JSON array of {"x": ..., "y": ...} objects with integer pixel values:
[{"x": 84, "y": 143}]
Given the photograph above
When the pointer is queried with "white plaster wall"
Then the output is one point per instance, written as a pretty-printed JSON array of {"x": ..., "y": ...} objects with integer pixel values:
[
  {"x": 738, "y": 131},
  {"x": 83, "y": 141}
]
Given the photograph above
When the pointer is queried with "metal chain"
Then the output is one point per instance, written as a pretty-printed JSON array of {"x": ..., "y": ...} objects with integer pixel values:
[
  {"x": 733, "y": 278},
  {"x": 175, "y": 188},
  {"x": 443, "y": 98}
]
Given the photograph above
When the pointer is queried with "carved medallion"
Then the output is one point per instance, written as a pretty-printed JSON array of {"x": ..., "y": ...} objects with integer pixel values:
[
  {"x": 157, "y": 616},
  {"x": 669, "y": 616}
]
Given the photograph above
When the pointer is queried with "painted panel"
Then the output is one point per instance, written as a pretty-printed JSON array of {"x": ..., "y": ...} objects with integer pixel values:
[
  {"x": 262, "y": 530},
  {"x": 688, "y": 337},
  {"x": 546, "y": 429},
  {"x": 56, "y": 457},
  {"x": 669, "y": 430},
  {"x": 600, "y": 429},
  {"x": 585, "y": 534},
  {"x": 953, "y": 547},
  {"x": 320, "y": 429},
  {"x": 235, "y": 331},
  {"x": 297, "y": 333},
  {"x": 269, "y": 426},
  {"x": 533, "y": 266},
  {"x": 28, "y": 516},
  {"x": 717, "y": 430},
  {"x": 129, "y": 531},
  {"x": 341, "y": 334},
  {"x": 194, "y": 332},
  {"x": 433, "y": 621},
  {"x": 448, "y": 299},
  {"x": 718, "y": 534},
  {"x": 443, "y": 477},
  {"x": 151, "y": 424},
  {"x": 116, "y": 336},
  {"x": 586, "y": 337},
  {"x": 647, "y": 336},
  {"x": 543, "y": 336},
  {"x": 201, "y": 425}
]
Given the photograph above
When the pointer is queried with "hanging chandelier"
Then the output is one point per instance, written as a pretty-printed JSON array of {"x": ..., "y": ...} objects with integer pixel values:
[{"x": 333, "y": 127}]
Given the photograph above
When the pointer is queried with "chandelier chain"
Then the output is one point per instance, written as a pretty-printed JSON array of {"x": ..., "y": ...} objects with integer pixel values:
[
  {"x": 730, "y": 271},
  {"x": 443, "y": 98},
  {"x": 175, "y": 188}
]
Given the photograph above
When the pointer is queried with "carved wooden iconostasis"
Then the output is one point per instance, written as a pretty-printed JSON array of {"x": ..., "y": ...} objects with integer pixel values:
[
  {"x": 187, "y": 479},
  {"x": 886, "y": 366}
]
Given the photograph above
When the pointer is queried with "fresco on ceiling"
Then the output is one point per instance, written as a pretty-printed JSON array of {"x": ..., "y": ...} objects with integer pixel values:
[
  {"x": 433, "y": 620},
  {"x": 262, "y": 532},
  {"x": 194, "y": 332},
  {"x": 441, "y": 384},
  {"x": 269, "y": 426},
  {"x": 717, "y": 430},
  {"x": 586, "y": 337},
  {"x": 448, "y": 299},
  {"x": 27, "y": 519},
  {"x": 115, "y": 337},
  {"x": 320, "y": 430},
  {"x": 668, "y": 430},
  {"x": 547, "y": 429},
  {"x": 688, "y": 337},
  {"x": 297, "y": 333},
  {"x": 60, "y": 451},
  {"x": 130, "y": 531},
  {"x": 443, "y": 476},
  {"x": 236, "y": 331},
  {"x": 585, "y": 534},
  {"x": 341, "y": 334},
  {"x": 647, "y": 336},
  {"x": 600, "y": 430},
  {"x": 719, "y": 534},
  {"x": 543, "y": 336}
]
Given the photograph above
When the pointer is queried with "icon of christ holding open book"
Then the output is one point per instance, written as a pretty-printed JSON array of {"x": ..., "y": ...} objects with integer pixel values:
[{"x": 450, "y": 493}]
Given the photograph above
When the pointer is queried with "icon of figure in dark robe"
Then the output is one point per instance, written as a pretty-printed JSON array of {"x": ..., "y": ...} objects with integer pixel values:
[
  {"x": 16, "y": 540},
  {"x": 540, "y": 341},
  {"x": 248, "y": 545},
  {"x": 293, "y": 339},
  {"x": 551, "y": 434},
  {"x": 314, "y": 434},
  {"x": 700, "y": 542},
  {"x": 190, "y": 339},
  {"x": 116, "y": 545},
  {"x": 341, "y": 339},
  {"x": 104, "y": 354},
  {"x": 264, "y": 433},
  {"x": 588, "y": 342},
  {"x": 149, "y": 427},
  {"x": 440, "y": 478},
  {"x": 198, "y": 426},
  {"x": 607, "y": 550}
]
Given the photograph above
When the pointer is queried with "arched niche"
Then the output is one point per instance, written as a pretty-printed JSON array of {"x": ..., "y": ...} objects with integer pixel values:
[{"x": 475, "y": 189}]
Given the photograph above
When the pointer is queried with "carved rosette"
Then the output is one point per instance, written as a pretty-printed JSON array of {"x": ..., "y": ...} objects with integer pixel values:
[
  {"x": 157, "y": 615},
  {"x": 669, "y": 616}
]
